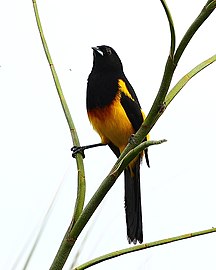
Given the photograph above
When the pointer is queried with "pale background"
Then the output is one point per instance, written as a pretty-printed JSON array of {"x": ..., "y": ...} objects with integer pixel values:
[{"x": 178, "y": 192}]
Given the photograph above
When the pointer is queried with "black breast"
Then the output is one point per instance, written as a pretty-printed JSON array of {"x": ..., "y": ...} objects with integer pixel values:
[{"x": 101, "y": 90}]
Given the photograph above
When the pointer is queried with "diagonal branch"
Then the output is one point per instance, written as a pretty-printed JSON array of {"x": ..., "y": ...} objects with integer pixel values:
[
  {"x": 184, "y": 80},
  {"x": 141, "y": 247}
]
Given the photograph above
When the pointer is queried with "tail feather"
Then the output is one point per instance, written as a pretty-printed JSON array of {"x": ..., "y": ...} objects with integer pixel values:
[{"x": 133, "y": 207}]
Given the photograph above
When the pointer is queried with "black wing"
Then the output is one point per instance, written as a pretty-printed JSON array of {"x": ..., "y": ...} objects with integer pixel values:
[
  {"x": 131, "y": 105},
  {"x": 133, "y": 111}
]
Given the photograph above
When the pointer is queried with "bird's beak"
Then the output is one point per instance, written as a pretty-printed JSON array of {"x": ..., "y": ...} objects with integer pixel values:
[{"x": 97, "y": 50}]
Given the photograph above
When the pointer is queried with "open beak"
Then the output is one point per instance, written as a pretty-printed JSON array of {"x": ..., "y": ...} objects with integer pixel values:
[{"x": 97, "y": 50}]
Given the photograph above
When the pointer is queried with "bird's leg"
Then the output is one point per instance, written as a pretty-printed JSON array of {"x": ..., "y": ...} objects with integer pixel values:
[
  {"x": 80, "y": 149},
  {"x": 131, "y": 139}
]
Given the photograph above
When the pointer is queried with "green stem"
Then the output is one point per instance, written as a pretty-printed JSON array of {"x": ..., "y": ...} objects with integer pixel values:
[
  {"x": 80, "y": 167},
  {"x": 123, "y": 162},
  {"x": 172, "y": 29},
  {"x": 204, "y": 14},
  {"x": 141, "y": 247},
  {"x": 184, "y": 80},
  {"x": 158, "y": 105}
]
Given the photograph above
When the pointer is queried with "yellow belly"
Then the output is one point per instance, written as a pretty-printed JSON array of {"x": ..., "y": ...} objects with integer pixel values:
[{"x": 112, "y": 124}]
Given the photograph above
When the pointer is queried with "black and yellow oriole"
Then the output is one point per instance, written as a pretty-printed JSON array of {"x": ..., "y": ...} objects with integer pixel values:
[{"x": 115, "y": 113}]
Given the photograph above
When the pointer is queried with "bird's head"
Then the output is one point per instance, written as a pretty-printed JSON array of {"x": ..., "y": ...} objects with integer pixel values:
[{"x": 106, "y": 59}]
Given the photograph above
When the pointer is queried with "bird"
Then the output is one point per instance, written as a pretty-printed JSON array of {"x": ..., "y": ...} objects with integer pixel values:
[{"x": 115, "y": 113}]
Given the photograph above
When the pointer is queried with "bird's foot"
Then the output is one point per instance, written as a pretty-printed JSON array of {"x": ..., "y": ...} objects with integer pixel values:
[
  {"x": 78, "y": 149},
  {"x": 132, "y": 139}
]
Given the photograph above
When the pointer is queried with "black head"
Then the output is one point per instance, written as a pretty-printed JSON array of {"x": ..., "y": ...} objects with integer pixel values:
[{"x": 106, "y": 59}]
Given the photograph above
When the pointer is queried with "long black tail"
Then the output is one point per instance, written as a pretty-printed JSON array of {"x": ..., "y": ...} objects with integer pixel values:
[{"x": 133, "y": 207}]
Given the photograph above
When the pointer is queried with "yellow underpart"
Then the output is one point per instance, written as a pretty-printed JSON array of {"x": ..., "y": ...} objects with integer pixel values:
[{"x": 112, "y": 123}]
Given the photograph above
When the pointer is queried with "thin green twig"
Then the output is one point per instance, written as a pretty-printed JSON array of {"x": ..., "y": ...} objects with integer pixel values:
[
  {"x": 184, "y": 80},
  {"x": 141, "y": 247},
  {"x": 123, "y": 162},
  {"x": 172, "y": 29},
  {"x": 79, "y": 160}
]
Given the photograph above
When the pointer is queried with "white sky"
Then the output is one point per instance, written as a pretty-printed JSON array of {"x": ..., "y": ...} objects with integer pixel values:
[{"x": 178, "y": 192}]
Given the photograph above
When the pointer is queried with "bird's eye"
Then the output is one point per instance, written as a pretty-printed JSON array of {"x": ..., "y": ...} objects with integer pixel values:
[{"x": 108, "y": 50}]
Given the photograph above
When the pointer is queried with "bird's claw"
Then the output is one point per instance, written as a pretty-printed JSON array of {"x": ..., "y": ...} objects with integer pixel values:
[
  {"x": 132, "y": 139},
  {"x": 77, "y": 149}
]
